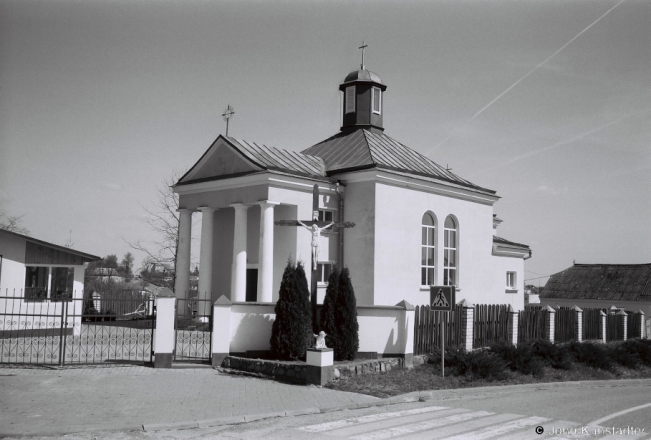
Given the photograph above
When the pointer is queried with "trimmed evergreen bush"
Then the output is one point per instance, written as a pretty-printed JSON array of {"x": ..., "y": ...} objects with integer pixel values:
[
  {"x": 642, "y": 347},
  {"x": 339, "y": 316},
  {"x": 304, "y": 292},
  {"x": 521, "y": 358},
  {"x": 328, "y": 318},
  {"x": 479, "y": 364},
  {"x": 289, "y": 330},
  {"x": 553, "y": 355},
  {"x": 347, "y": 331},
  {"x": 590, "y": 354}
]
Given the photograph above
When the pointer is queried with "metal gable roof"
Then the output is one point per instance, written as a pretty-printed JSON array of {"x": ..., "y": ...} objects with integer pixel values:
[
  {"x": 623, "y": 282},
  {"x": 274, "y": 158},
  {"x": 364, "y": 148}
]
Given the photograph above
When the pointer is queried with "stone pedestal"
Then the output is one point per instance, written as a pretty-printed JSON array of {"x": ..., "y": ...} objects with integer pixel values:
[{"x": 320, "y": 368}]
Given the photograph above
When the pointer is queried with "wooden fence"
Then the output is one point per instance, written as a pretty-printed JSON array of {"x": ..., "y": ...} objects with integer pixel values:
[
  {"x": 614, "y": 329},
  {"x": 491, "y": 324},
  {"x": 531, "y": 324},
  {"x": 564, "y": 325},
  {"x": 427, "y": 329},
  {"x": 591, "y": 324}
]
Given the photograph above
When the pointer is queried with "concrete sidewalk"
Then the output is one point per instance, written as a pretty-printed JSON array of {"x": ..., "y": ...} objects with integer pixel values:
[{"x": 41, "y": 401}]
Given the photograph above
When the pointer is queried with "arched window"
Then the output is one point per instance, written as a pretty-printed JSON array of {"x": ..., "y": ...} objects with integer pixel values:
[
  {"x": 450, "y": 248},
  {"x": 428, "y": 250}
]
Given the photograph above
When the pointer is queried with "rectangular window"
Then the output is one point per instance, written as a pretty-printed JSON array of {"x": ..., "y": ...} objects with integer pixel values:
[
  {"x": 350, "y": 99},
  {"x": 326, "y": 216},
  {"x": 62, "y": 282},
  {"x": 36, "y": 281},
  {"x": 323, "y": 272},
  {"x": 377, "y": 100},
  {"x": 428, "y": 251},
  {"x": 510, "y": 280}
]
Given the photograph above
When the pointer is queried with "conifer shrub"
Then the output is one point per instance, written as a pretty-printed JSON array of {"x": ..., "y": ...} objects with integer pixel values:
[
  {"x": 328, "y": 314},
  {"x": 642, "y": 347},
  {"x": 304, "y": 292},
  {"x": 624, "y": 355},
  {"x": 591, "y": 354},
  {"x": 347, "y": 332},
  {"x": 479, "y": 364},
  {"x": 289, "y": 330},
  {"x": 553, "y": 355},
  {"x": 521, "y": 358}
]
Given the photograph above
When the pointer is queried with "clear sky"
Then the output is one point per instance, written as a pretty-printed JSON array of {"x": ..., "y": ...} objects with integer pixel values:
[{"x": 100, "y": 100}]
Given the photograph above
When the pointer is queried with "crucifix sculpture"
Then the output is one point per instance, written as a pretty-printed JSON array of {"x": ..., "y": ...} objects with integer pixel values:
[{"x": 315, "y": 227}]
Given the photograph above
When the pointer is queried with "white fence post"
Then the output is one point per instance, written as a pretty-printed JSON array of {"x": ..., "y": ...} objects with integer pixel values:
[
  {"x": 642, "y": 335},
  {"x": 513, "y": 326},
  {"x": 164, "y": 336},
  {"x": 467, "y": 324},
  {"x": 221, "y": 330},
  {"x": 623, "y": 322},
  {"x": 550, "y": 324},
  {"x": 578, "y": 323},
  {"x": 602, "y": 327}
]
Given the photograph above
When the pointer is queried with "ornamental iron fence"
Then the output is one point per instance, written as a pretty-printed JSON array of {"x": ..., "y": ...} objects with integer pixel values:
[
  {"x": 76, "y": 330},
  {"x": 194, "y": 324}
]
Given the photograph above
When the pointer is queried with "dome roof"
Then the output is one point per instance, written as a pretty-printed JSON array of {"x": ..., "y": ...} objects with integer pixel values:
[{"x": 363, "y": 75}]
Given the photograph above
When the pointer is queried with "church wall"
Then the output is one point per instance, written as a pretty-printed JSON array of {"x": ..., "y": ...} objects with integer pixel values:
[
  {"x": 222, "y": 258},
  {"x": 399, "y": 213},
  {"x": 501, "y": 266},
  {"x": 359, "y": 242}
]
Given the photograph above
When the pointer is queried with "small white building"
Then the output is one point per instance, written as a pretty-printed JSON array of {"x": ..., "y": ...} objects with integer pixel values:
[
  {"x": 416, "y": 223},
  {"x": 41, "y": 276}
]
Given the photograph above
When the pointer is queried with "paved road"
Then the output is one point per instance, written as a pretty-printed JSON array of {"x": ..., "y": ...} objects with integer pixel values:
[{"x": 115, "y": 398}]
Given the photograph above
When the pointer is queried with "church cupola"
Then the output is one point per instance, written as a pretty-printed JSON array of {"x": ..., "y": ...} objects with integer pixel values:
[{"x": 363, "y": 106}]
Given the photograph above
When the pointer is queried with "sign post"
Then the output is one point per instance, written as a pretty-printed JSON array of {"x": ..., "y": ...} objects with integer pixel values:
[{"x": 442, "y": 299}]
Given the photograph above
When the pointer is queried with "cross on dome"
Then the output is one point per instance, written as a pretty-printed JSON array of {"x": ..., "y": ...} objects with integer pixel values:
[{"x": 363, "y": 46}]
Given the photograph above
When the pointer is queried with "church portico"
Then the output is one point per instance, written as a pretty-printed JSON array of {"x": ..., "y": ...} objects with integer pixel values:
[{"x": 238, "y": 273}]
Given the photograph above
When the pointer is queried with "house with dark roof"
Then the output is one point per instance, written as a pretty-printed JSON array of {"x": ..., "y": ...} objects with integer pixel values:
[
  {"x": 626, "y": 286},
  {"x": 414, "y": 222},
  {"x": 40, "y": 276}
]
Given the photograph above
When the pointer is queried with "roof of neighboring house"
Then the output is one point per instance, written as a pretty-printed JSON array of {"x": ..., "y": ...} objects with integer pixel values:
[
  {"x": 623, "y": 282},
  {"x": 83, "y": 255},
  {"x": 500, "y": 240},
  {"x": 365, "y": 149}
]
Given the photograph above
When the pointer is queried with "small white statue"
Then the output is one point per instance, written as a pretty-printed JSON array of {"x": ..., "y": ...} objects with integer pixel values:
[{"x": 320, "y": 341}]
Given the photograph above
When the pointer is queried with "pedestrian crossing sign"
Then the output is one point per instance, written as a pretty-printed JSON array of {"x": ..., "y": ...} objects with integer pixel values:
[{"x": 442, "y": 298}]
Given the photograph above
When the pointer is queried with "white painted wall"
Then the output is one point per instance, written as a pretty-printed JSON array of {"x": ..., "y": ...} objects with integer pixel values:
[
  {"x": 250, "y": 326},
  {"x": 496, "y": 287},
  {"x": 382, "y": 329}
]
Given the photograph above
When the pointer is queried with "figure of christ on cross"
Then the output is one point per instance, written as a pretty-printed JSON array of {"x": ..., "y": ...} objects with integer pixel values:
[
  {"x": 316, "y": 234},
  {"x": 315, "y": 227}
]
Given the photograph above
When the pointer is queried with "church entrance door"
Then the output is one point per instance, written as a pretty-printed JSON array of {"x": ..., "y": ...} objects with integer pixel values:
[{"x": 251, "y": 285}]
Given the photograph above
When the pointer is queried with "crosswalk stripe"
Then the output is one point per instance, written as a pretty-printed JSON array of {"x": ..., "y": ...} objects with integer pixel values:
[
  {"x": 368, "y": 419},
  {"x": 468, "y": 426},
  {"x": 501, "y": 429},
  {"x": 409, "y": 429}
]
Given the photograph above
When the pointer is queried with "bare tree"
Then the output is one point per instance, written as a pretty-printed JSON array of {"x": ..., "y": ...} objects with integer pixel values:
[
  {"x": 164, "y": 221},
  {"x": 12, "y": 223}
]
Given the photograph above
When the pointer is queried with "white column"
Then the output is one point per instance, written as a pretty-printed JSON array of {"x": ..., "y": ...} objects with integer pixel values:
[
  {"x": 182, "y": 284},
  {"x": 266, "y": 256},
  {"x": 238, "y": 270},
  {"x": 205, "y": 258}
]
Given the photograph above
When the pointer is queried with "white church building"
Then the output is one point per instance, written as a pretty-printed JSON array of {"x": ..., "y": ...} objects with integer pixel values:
[{"x": 416, "y": 223}]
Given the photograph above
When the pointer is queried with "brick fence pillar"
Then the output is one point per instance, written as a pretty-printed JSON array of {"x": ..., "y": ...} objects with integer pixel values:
[
  {"x": 578, "y": 324},
  {"x": 550, "y": 324},
  {"x": 623, "y": 323},
  {"x": 602, "y": 327},
  {"x": 642, "y": 319},
  {"x": 164, "y": 335},
  {"x": 513, "y": 326},
  {"x": 467, "y": 324}
]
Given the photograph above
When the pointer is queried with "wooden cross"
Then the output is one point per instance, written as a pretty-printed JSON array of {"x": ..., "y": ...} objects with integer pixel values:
[
  {"x": 320, "y": 224},
  {"x": 227, "y": 115},
  {"x": 362, "y": 47}
]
